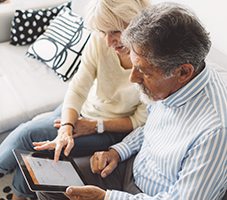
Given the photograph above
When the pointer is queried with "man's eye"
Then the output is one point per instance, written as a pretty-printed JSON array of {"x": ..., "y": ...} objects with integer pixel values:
[
  {"x": 140, "y": 71},
  {"x": 147, "y": 75},
  {"x": 144, "y": 73}
]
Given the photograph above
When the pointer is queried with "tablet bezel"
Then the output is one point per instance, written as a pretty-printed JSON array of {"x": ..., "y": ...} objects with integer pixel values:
[{"x": 49, "y": 155}]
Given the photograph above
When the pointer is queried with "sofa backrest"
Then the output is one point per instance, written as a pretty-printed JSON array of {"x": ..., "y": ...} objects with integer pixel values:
[{"x": 8, "y": 8}]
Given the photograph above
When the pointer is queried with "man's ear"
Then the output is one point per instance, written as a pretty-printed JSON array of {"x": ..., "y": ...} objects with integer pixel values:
[{"x": 185, "y": 73}]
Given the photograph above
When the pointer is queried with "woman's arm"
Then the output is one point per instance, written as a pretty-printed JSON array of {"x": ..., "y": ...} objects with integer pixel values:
[
  {"x": 76, "y": 95},
  {"x": 85, "y": 126},
  {"x": 118, "y": 125}
]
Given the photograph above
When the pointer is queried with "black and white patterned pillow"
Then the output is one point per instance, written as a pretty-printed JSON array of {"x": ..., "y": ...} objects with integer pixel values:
[
  {"x": 28, "y": 25},
  {"x": 61, "y": 45}
]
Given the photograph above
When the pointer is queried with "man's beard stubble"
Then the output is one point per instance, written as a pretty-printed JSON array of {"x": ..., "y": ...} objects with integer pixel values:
[{"x": 144, "y": 95}]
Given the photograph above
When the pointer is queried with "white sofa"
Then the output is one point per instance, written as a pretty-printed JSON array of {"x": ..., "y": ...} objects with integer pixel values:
[{"x": 27, "y": 86}]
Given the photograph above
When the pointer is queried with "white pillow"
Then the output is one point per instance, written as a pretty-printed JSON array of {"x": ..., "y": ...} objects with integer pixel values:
[{"x": 61, "y": 45}]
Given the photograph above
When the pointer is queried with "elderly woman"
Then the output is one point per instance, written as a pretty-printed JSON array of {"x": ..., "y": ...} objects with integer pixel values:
[{"x": 101, "y": 105}]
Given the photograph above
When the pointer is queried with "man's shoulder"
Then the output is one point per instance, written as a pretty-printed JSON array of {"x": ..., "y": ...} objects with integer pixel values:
[
  {"x": 216, "y": 92},
  {"x": 220, "y": 70}
]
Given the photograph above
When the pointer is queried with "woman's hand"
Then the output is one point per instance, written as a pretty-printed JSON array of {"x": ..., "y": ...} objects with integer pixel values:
[
  {"x": 104, "y": 162},
  {"x": 83, "y": 126},
  {"x": 64, "y": 140},
  {"x": 87, "y": 192}
]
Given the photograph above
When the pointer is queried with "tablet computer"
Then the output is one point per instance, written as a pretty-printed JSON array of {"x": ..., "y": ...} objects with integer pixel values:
[{"x": 42, "y": 173}]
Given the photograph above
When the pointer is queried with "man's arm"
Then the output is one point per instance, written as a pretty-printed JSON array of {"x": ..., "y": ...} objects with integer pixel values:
[
  {"x": 130, "y": 145},
  {"x": 202, "y": 175},
  {"x": 85, "y": 126}
]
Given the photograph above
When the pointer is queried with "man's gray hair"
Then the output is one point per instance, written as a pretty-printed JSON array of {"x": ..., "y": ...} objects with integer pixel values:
[{"x": 168, "y": 35}]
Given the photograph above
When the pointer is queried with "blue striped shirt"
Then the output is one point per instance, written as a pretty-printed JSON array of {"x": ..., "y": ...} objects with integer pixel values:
[{"x": 182, "y": 147}]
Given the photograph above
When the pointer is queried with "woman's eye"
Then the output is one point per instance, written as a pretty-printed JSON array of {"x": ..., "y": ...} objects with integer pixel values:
[
  {"x": 102, "y": 33},
  {"x": 114, "y": 32}
]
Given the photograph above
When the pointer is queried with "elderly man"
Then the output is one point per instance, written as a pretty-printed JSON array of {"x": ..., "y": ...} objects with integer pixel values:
[{"x": 180, "y": 153}]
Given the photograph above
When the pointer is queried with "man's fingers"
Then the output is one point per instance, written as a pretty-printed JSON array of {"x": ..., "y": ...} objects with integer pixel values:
[
  {"x": 94, "y": 164},
  {"x": 98, "y": 162},
  {"x": 108, "y": 169},
  {"x": 102, "y": 161},
  {"x": 74, "y": 190},
  {"x": 85, "y": 192}
]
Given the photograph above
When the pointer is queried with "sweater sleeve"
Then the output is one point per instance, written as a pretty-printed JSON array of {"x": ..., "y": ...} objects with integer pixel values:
[
  {"x": 83, "y": 80},
  {"x": 139, "y": 117}
]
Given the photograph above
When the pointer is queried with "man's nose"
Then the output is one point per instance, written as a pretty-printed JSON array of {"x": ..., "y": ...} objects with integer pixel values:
[{"x": 136, "y": 76}]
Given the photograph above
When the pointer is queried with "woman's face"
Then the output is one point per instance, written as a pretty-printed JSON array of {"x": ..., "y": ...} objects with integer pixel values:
[{"x": 113, "y": 39}]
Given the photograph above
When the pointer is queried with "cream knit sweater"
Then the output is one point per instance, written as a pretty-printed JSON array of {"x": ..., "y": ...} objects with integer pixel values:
[{"x": 101, "y": 88}]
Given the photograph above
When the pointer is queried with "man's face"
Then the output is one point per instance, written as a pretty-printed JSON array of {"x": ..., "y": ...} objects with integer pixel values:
[{"x": 152, "y": 81}]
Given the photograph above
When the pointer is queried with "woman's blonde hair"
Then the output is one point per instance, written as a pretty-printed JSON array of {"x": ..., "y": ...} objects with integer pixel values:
[{"x": 110, "y": 15}]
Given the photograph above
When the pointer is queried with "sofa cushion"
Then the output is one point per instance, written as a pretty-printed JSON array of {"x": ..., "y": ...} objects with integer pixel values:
[
  {"x": 27, "y": 25},
  {"x": 61, "y": 45},
  {"x": 27, "y": 87}
]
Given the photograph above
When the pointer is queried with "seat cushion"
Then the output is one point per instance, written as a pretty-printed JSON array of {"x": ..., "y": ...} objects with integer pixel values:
[{"x": 27, "y": 86}]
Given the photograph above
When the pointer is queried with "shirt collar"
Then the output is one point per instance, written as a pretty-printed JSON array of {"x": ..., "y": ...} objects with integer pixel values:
[{"x": 188, "y": 91}]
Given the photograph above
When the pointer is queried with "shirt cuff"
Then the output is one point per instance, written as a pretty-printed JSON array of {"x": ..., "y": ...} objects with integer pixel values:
[
  {"x": 123, "y": 150},
  {"x": 107, "y": 196}
]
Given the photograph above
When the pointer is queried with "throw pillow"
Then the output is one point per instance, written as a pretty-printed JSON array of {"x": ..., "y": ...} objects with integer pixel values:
[
  {"x": 61, "y": 45},
  {"x": 27, "y": 25}
]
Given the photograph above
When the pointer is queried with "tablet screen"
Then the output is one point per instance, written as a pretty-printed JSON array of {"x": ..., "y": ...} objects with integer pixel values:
[{"x": 42, "y": 173}]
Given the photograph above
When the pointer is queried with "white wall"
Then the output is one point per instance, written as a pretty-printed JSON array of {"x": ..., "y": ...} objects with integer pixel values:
[
  {"x": 213, "y": 14},
  {"x": 79, "y": 6}
]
